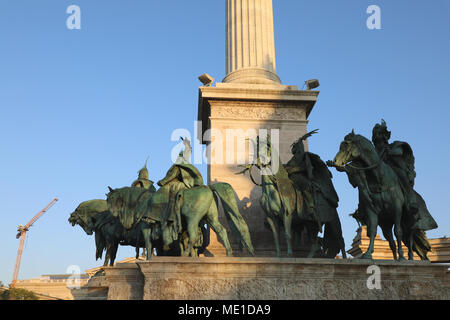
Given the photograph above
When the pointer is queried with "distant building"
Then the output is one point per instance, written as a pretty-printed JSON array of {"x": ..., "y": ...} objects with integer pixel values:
[
  {"x": 54, "y": 286},
  {"x": 440, "y": 248}
]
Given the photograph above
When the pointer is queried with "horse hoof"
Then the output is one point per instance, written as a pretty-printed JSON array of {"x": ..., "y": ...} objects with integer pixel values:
[
  {"x": 401, "y": 259},
  {"x": 366, "y": 256}
]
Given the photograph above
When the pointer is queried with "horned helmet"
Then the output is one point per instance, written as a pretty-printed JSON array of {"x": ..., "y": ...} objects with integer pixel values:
[{"x": 143, "y": 173}]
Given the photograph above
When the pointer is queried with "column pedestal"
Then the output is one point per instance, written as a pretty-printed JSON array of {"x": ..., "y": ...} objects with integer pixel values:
[
  {"x": 175, "y": 278},
  {"x": 244, "y": 107},
  {"x": 125, "y": 282}
]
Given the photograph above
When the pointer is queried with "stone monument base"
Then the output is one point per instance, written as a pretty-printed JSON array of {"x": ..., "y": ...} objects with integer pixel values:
[{"x": 178, "y": 278}]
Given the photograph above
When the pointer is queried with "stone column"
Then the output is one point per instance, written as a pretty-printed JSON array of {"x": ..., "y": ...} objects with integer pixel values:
[{"x": 250, "y": 44}]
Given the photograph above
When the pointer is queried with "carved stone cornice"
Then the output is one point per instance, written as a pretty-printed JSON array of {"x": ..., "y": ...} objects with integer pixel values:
[
  {"x": 263, "y": 111},
  {"x": 253, "y": 103}
]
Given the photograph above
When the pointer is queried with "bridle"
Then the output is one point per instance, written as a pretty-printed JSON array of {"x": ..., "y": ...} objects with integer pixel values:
[{"x": 369, "y": 167}]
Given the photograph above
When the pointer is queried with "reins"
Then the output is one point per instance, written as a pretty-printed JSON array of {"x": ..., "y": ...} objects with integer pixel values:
[{"x": 364, "y": 169}]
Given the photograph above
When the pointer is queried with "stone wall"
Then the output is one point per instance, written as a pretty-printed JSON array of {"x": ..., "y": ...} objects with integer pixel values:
[{"x": 176, "y": 278}]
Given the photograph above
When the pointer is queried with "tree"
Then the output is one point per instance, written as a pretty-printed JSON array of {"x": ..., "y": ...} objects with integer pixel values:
[{"x": 18, "y": 294}]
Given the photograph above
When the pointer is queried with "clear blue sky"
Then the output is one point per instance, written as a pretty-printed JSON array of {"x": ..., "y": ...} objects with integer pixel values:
[{"x": 82, "y": 109}]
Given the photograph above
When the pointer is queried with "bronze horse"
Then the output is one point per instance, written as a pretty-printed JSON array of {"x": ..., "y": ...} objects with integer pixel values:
[
  {"x": 283, "y": 204},
  {"x": 381, "y": 200}
]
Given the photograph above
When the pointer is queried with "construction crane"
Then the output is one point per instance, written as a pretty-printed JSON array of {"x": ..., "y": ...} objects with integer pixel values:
[{"x": 21, "y": 232}]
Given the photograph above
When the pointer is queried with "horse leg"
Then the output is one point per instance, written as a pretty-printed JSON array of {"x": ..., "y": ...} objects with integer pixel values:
[
  {"x": 271, "y": 221},
  {"x": 274, "y": 227},
  {"x": 107, "y": 255},
  {"x": 410, "y": 245},
  {"x": 212, "y": 218},
  {"x": 313, "y": 231},
  {"x": 193, "y": 219},
  {"x": 387, "y": 233},
  {"x": 106, "y": 259},
  {"x": 167, "y": 243},
  {"x": 222, "y": 234},
  {"x": 342, "y": 243},
  {"x": 371, "y": 232},
  {"x": 287, "y": 220},
  {"x": 399, "y": 235},
  {"x": 192, "y": 226},
  {"x": 137, "y": 251},
  {"x": 113, "y": 253},
  {"x": 146, "y": 233}
]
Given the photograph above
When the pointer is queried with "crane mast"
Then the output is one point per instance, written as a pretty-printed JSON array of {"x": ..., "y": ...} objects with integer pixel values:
[{"x": 21, "y": 233}]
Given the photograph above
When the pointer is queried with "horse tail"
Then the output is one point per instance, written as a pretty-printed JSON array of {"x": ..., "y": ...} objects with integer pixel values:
[
  {"x": 421, "y": 245},
  {"x": 238, "y": 226},
  {"x": 100, "y": 245}
]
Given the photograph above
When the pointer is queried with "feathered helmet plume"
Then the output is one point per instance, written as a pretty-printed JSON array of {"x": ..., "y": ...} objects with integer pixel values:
[{"x": 299, "y": 142}]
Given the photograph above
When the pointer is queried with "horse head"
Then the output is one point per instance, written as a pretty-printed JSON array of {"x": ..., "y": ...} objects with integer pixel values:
[
  {"x": 356, "y": 148},
  {"x": 85, "y": 215}
]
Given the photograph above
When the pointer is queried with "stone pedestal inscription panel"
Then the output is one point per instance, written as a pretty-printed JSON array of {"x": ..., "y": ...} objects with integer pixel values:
[{"x": 290, "y": 279}]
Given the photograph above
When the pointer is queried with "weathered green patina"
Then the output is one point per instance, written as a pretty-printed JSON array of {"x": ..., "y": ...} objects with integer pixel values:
[
  {"x": 143, "y": 180},
  {"x": 283, "y": 202},
  {"x": 94, "y": 217},
  {"x": 172, "y": 220}
]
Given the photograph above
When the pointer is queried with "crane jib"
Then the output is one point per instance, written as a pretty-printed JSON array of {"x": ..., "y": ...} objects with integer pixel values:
[{"x": 22, "y": 232}]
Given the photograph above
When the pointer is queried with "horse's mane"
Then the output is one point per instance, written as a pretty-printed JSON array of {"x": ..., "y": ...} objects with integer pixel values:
[
  {"x": 365, "y": 145},
  {"x": 92, "y": 206},
  {"x": 123, "y": 203}
]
